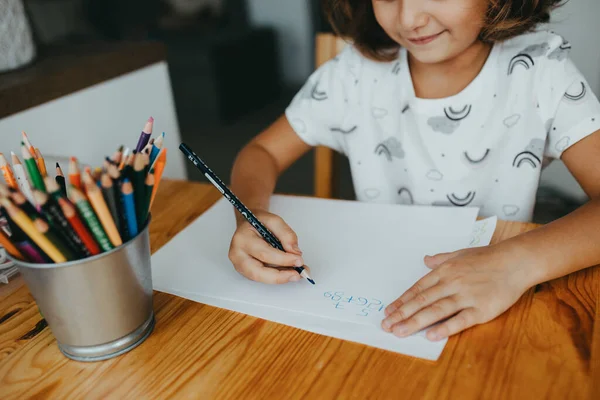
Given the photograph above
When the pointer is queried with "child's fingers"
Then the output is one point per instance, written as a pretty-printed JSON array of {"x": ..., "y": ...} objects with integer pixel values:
[
  {"x": 264, "y": 252},
  {"x": 436, "y": 260},
  {"x": 417, "y": 304},
  {"x": 461, "y": 321},
  {"x": 429, "y": 280},
  {"x": 255, "y": 270},
  {"x": 284, "y": 233},
  {"x": 434, "y": 313}
]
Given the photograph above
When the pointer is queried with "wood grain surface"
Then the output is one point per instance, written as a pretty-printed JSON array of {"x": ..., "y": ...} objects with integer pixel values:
[{"x": 546, "y": 346}]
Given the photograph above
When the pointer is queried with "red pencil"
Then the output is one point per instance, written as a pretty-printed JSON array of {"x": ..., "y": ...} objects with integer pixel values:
[{"x": 86, "y": 237}]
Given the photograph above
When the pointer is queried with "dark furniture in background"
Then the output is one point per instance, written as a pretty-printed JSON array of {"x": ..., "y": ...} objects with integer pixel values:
[{"x": 221, "y": 67}]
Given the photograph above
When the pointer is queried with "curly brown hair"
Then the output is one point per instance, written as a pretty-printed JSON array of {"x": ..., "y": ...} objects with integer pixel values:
[{"x": 355, "y": 20}]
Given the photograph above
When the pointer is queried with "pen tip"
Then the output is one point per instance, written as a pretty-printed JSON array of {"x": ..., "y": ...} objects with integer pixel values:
[{"x": 311, "y": 281}]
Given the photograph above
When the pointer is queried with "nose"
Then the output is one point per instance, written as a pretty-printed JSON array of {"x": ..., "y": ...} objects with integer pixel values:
[{"x": 411, "y": 15}]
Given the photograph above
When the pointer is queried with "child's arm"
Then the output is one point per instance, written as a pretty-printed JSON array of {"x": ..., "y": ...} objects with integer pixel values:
[
  {"x": 479, "y": 284},
  {"x": 260, "y": 163},
  {"x": 253, "y": 179}
]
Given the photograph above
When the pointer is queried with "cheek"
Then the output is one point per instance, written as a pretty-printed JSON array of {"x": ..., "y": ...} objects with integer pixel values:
[
  {"x": 385, "y": 14},
  {"x": 465, "y": 19}
]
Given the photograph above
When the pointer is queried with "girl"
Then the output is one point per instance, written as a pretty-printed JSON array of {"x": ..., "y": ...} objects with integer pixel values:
[{"x": 441, "y": 102}]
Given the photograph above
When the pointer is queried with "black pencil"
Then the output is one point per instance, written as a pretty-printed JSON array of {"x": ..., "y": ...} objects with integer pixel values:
[
  {"x": 108, "y": 192},
  {"x": 60, "y": 179},
  {"x": 59, "y": 222},
  {"x": 267, "y": 235},
  {"x": 139, "y": 190},
  {"x": 115, "y": 175}
]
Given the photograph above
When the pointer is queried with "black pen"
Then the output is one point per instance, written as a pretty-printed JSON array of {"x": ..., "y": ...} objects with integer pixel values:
[{"x": 246, "y": 213}]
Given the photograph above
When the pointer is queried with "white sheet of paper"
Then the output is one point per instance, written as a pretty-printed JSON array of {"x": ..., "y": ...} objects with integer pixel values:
[{"x": 376, "y": 255}]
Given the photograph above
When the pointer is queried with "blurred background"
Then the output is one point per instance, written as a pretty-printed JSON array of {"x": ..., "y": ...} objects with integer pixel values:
[{"x": 80, "y": 76}]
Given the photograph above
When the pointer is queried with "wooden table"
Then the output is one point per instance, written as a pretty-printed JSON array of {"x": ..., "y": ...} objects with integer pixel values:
[{"x": 546, "y": 346}]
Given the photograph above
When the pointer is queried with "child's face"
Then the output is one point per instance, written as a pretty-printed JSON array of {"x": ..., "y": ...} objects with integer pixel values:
[{"x": 432, "y": 31}]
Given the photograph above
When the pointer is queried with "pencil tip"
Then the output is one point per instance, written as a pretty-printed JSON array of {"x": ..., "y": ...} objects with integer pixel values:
[
  {"x": 311, "y": 281},
  {"x": 57, "y": 166},
  {"x": 151, "y": 119}
]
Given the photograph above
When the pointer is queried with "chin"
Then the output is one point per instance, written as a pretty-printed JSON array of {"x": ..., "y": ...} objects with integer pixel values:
[{"x": 430, "y": 56}]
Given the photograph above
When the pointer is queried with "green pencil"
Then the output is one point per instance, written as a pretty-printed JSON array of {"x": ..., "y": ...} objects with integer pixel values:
[
  {"x": 32, "y": 169},
  {"x": 89, "y": 216}
]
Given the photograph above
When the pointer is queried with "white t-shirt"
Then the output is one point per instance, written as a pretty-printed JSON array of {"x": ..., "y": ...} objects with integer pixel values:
[{"x": 483, "y": 147}]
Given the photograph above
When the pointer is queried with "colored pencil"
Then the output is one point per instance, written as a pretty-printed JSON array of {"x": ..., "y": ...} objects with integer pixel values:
[
  {"x": 115, "y": 176},
  {"x": 21, "y": 176},
  {"x": 27, "y": 247},
  {"x": 158, "y": 167},
  {"x": 50, "y": 234},
  {"x": 108, "y": 191},
  {"x": 20, "y": 201},
  {"x": 139, "y": 189},
  {"x": 60, "y": 179},
  {"x": 124, "y": 158},
  {"x": 74, "y": 174},
  {"x": 118, "y": 155},
  {"x": 149, "y": 184},
  {"x": 32, "y": 168},
  {"x": 148, "y": 147},
  {"x": 145, "y": 135},
  {"x": 97, "y": 174},
  {"x": 89, "y": 217},
  {"x": 9, "y": 246},
  {"x": 9, "y": 177},
  {"x": 98, "y": 203},
  {"x": 40, "y": 162},
  {"x": 78, "y": 226},
  {"x": 59, "y": 222},
  {"x": 28, "y": 144},
  {"x": 31, "y": 252},
  {"x": 27, "y": 225},
  {"x": 158, "y": 143},
  {"x": 129, "y": 207}
]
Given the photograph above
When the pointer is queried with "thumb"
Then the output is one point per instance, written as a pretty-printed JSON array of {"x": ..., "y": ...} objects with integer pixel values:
[{"x": 436, "y": 260}]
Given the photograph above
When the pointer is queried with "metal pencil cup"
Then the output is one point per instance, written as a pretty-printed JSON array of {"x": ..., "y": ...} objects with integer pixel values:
[{"x": 98, "y": 307}]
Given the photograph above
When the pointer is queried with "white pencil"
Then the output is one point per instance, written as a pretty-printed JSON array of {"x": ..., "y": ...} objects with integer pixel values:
[{"x": 21, "y": 176}]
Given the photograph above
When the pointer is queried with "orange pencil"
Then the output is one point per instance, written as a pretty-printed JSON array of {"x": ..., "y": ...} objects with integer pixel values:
[
  {"x": 9, "y": 177},
  {"x": 158, "y": 168},
  {"x": 10, "y": 247},
  {"x": 74, "y": 174},
  {"x": 97, "y": 201},
  {"x": 40, "y": 162}
]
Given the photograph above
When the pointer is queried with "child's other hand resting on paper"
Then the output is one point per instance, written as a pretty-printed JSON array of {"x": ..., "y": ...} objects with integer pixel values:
[
  {"x": 249, "y": 252},
  {"x": 471, "y": 286}
]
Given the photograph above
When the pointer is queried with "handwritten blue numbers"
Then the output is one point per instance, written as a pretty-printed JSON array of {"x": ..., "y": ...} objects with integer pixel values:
[{"x": 361, "y": 306}]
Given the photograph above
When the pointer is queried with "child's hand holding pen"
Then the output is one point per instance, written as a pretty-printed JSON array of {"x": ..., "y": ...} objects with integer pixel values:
[{"x": 249, "y": 252}]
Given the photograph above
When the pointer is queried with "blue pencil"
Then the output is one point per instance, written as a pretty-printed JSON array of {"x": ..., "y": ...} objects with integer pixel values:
[{"x": 129, "y": 207}]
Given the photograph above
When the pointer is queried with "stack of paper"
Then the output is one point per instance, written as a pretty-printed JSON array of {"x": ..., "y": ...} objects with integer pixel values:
[{"x": 362, "y": 257}]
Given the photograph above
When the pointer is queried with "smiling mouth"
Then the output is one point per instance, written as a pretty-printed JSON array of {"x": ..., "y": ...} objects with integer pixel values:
[{"x": 424, "y": 39}]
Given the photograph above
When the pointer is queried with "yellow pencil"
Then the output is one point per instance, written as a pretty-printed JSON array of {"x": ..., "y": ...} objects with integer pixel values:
[
  {"x": 27, "y": 225},
  {"x": 97, "y": 201}
]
